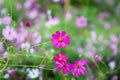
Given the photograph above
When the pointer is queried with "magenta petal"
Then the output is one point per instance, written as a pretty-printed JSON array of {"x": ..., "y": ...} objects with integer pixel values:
[
  {"x": 63, "y": 33},
  {"x": 82, "y": 72},
  {"x": 66, "y": 41},
  {"x": 67, "y": 37},
  {"x": 58, "y": 33},
  {"x": 57, "y": 45},
  {"x": 64, "y": 72},
  {"x": 59, "y": 68},
  {"x": 63, "y": 45}
]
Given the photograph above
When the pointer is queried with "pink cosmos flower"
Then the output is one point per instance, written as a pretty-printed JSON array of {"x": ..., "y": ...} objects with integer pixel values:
[
  {"x": 6, "y": 20},
  {"x": 60, "y": 39},
  {"x": 28, "y": 4},
  {"x": 9, "y": 33},
  {"x": 60, "y": 58},
  {"x": 18, "y": 6},
  {"x": 56, "y": 0},
  {"x": 81, "y": 22},
  {"x": 65, "y": 67},
  {"x": 36, "y": 38},
  {"x": 114, "y": 38},
  {"x": 107, "y": 25},
  {"x": 79, "y": 67},
  {"x": 28, "y": 23},
  {"x": 33, "y": 13},
  {"x": 68, "y": 15}
]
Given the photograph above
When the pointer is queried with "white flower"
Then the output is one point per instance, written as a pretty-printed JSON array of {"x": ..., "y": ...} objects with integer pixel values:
[
  {"x": 25, "y": 46},
  {"x": 33, "y": 73},
  {"x": 6, "y": 76},
  {"x": 112, "y": 65}
]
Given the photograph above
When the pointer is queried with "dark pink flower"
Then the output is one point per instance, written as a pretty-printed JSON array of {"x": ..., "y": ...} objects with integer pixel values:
[
  {"x": 64, "y": 66},
  {"x": 79, "y": 68},
  {"x": 28, "y": 23},
  {"x": 60, "y": 58},
  {"x": 60, "y": 39},
  {"x": 81, "y": 22}
]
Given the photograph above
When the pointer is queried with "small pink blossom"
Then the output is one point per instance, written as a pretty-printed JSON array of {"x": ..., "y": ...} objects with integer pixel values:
[
  {"x": 81, "y": 22},
  {"x": 60, "y": 39},
  {"x": 60, "y": 58},
  {"x": 107, "y": 25},
  {"x": 28, "y": 23},
  {"x": 68, "y": 16},
  {"x": 6, "y": 20},
  {"x": 65, "y": 67},
  {"x": 56, "y": 0},
  {"x": 9, "y": 33},
  {"x": 79, "y": 68},
  {"x": 36, "y": 38},
  {"x": 28, "y": 4},
  {"x": 114, "y": 38},
  {"x": 19, "y": 6},
  {"x": 33, "y": 13}
]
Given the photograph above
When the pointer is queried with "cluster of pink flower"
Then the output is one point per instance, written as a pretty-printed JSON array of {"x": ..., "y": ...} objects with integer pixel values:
[
  {"x": 79, "y": 67},
  {"x": 22, "y": 37}
]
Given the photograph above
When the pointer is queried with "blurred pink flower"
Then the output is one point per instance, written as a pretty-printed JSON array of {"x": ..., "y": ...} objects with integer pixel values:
[
  {"x": 28, "y": 23},
  {"x": 52, "y": 22},
  {"x": 79, "y": 68},
  {"x": 35, "y": 5},
  {"x": 55, "y": 20},
  {"x": 107, "y": 25},
  {"x": 102, "y": 16},
  {"x": 60, "y": 39},
  {"x": 56, "y": 0},
  {"x": 93, "y": 35},
  {"x": 114, "y": 49},
  {"x": 33, "y": 13},
  {"x": 60, "y": 58},
  {"x": 9, "y": 33},
  {"x": 65, "y": 67},
  {"x": 28, "y": 4},
  {"x": 6, "y": 20},
  {"x": 81, "y": 22},
  {"x": 11, "y": 71},
  {"x": 1, "y": 47},
  {"x": 5, "y": 54},
  {"x": 68, "y": 16},
  {"x": 36, "y": 38},
  {"x": 114, "y": 38},
  {"x": 19, "y": 6}
]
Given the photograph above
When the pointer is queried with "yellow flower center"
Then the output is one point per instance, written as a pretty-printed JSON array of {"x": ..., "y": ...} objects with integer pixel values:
[
  {"x": 60, "y": 58},
  {"x": 78, "y": 66},
  {"x": 60, "y": 39}
]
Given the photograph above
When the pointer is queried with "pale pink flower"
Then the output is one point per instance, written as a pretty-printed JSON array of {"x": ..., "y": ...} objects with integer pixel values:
[
  {"x": 9, "y": 33},
  {"x": 56, "y": 0},
  {"x": 114, "y": 48},
  {"x": 36, "y": 38},
  {"x": 68, "y": 16},
  {"x": 107, "y": 25},
  {"x": 81, "y": 22},
  {"x": 33, "y": 13},
  {"x": 114, "y": 38},
  {"x": 19, "y": 6},
  {"x": 1, "y": 47},
  {"x": 6, "y": 20},
  {"x": 28, "y": 4}
]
